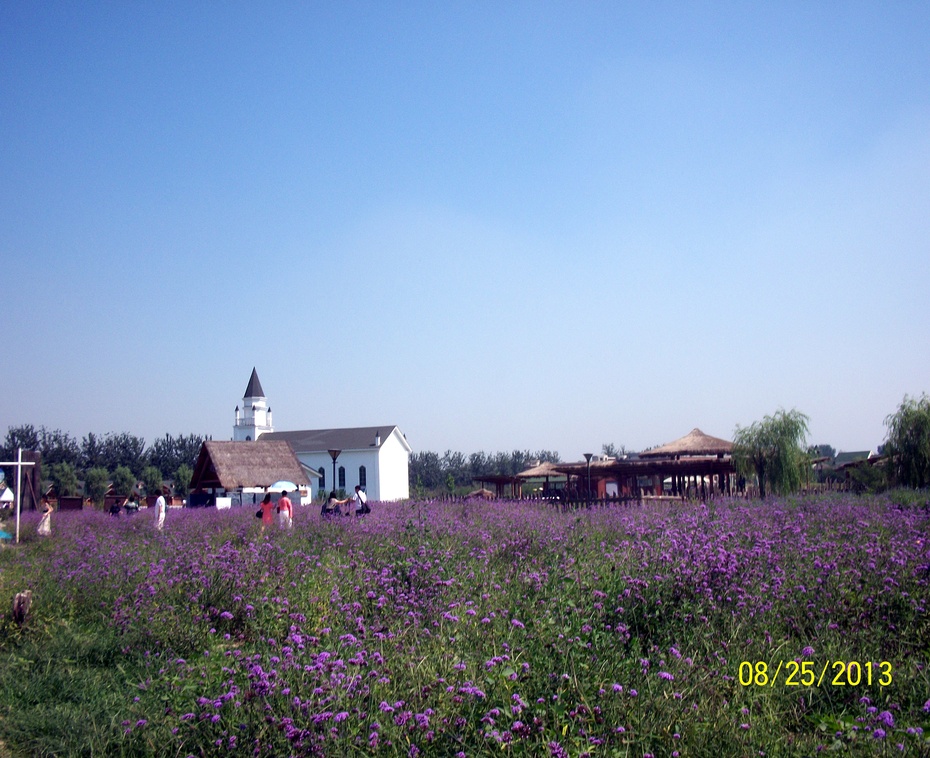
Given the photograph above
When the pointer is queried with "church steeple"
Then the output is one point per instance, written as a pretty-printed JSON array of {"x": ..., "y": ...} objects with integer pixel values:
[
  {"x": 255, "y": 386},
  {"x": 255, "y": 417}
]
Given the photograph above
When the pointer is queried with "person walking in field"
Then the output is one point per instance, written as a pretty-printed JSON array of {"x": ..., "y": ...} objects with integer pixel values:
[
  {"x": 360, "y": 500},
  {"x": 285, "y": 512},
  {"x": 161, "y": 508},
  {"x": 267, "y": 509},
  {"x": 332, "y": 506},
  {"x": 132, "y": 506},
  {"x": 45, "y": 523}
]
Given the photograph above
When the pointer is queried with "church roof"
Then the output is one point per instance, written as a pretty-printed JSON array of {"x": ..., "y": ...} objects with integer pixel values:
[
  {"x": 321, "y": 440},
  {"x": 232, "y": 465},
  {"x": 255, "y": 387}
]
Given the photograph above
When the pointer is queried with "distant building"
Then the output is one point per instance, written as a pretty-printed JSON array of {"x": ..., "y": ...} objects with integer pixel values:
[
  {"x": 374, "y": 457},
  {"x": 243, "y": 471},
  {"x": 847, "y": 459}
]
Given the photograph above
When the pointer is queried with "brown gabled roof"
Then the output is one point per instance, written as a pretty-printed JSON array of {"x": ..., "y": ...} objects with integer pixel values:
[
  {"x": 233, "y": 465},
  {"x": 694, "y": 442}
]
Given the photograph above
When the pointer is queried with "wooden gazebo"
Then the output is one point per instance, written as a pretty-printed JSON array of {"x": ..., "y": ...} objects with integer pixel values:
[
  {"x": 544, "y": 471},
  {"x": 694, "y": 444},
  {"x": 500, "y": 483},
  {"x": 701, "y": 462},
  {"x": 696, "y": 463}
]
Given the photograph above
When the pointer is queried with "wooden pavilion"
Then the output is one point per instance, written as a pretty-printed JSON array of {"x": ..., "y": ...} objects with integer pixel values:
[
  {"x": 696, "y": 464},
  {"x": 504, "y": 485},
  {"x": 545, "y": 473}
]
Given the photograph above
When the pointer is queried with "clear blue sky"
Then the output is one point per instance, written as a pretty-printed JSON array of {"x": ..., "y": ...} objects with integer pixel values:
[{"x": 497, "y": 225}]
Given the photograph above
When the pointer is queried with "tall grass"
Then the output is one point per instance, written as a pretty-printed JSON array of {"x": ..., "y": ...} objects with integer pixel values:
[{"x": 473, "y": 629}]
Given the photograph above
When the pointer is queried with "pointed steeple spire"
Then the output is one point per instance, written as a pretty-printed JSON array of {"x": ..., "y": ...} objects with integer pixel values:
[
  {"x": 255, "y": 386},
  {"x": 255, "y": 418}
]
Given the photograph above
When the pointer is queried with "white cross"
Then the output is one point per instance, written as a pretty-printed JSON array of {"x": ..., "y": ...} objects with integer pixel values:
[{"x": 19, "y": 463}]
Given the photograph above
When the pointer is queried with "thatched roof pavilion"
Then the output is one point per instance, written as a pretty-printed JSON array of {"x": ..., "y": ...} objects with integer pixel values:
[
  {"x": 236, "y": 465},
  {"x": 696, "y": 462},
  {"x": 694, "y": 442},
  {"x": 541, "y": 471}
]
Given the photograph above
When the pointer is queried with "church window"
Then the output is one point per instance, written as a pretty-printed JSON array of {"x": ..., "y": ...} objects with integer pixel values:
[
  {"x": 342, "y": 477},
  {"x": 362, "y": 477}
]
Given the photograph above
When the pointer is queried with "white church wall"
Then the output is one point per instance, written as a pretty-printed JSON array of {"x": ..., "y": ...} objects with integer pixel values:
[
  {"x": 350, "y": 460},
  {"x": 394, "y": 468}
]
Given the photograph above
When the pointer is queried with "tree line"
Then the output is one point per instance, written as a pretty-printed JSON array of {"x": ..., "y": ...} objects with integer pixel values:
[
  {"x": 431, "y": 471},
  {"x": 772, "y": 450},
  {"x": 97, "y": 460}
]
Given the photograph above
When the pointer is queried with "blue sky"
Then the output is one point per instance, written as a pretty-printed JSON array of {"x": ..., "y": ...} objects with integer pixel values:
[{"x": 498, "y": 226}]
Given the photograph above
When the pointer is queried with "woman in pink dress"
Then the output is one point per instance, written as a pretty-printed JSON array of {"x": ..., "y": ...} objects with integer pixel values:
[{"x": 267, "y": 511}]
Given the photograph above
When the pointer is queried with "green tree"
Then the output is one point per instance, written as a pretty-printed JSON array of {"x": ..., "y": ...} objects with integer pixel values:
[
  {"x": 64, "y": 477},
  {"x": 773, "y": 449},
  {"x": 92, "y": 454},
  {"x": 96, "y": 483},
  {"x": 611, "y": 450},
  {"x": 25, "y": 437},
  {"x": 124, "y": 449},
  {"x": 152, "y": 480},
  {"x": 908, "y": 443},
  {"x": 821, "y": 451},
  {"x": 426, "y": 467},
  {"x": 123, "y": 481},
  {"x": 168, "y": 453},
  {"x": 182, "y": 480},
  {"x": 456, "y": 466},
  {"x": 58, "y": 447}
]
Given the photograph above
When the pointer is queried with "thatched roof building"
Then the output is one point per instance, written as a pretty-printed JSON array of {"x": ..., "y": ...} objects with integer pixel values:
[
  {"x": 695, "y": 462},
  {"x": 694, "y": 442},
  {"x": 541, "y": 471},
  {"x": 236, "y": 465}
]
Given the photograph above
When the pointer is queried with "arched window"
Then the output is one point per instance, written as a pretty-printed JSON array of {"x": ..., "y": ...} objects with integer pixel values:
[
  {"x": 362, "y": 477},
  {"x": 322, "y": 478},
  {"x": 342, "y": 477}
]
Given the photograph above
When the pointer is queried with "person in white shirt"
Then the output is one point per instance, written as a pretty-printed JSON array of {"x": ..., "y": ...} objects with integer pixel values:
[{"x": 361, "y": 502}]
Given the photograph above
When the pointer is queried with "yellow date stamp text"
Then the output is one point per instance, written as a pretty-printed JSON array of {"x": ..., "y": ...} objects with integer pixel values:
[{"x": 808, "y": 674}]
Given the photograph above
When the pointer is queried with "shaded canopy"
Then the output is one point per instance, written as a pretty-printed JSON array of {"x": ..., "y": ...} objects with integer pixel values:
[
  {"x": 500, "y": 482},
  {"x": 693, "y": 443},
  {"x": 234, "y": 465}
]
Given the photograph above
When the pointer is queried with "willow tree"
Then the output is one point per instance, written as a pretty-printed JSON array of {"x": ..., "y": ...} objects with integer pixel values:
[
  {"x": 774, "y": 450},
  {"x": 908, "y": 443}
]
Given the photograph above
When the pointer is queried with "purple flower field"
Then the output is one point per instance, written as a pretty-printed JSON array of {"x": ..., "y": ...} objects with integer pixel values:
[{"x": 733, "y": 628}]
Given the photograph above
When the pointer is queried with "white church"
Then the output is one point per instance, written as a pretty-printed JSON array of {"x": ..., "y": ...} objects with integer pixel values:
[{"x": 374, "y": 457}]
